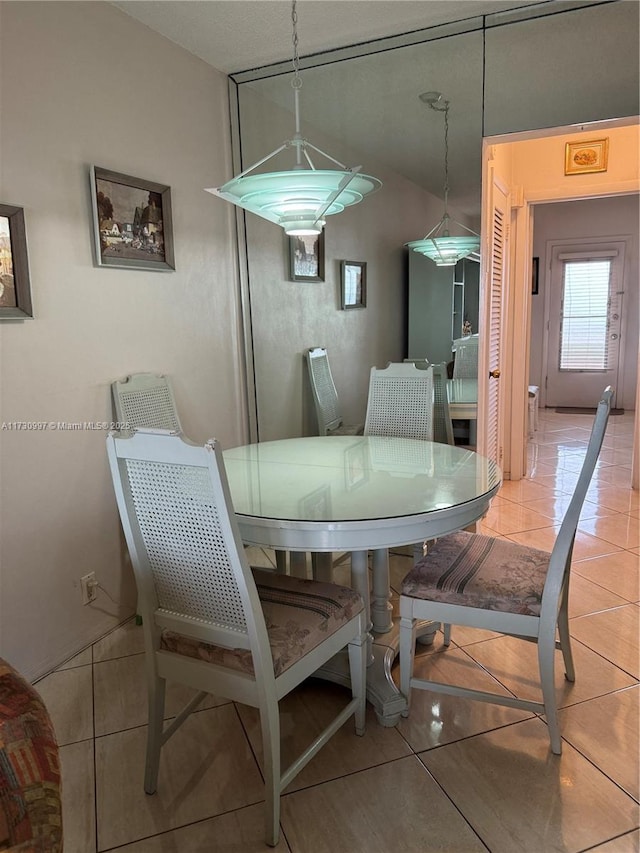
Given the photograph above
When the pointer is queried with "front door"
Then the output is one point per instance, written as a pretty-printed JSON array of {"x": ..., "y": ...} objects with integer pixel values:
[{"x": 584, "y": 323}]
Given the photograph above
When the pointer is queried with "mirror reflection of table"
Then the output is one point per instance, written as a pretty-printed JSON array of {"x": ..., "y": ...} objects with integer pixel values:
[
  {"x": 346, "y": 493},
  {"x": 463, "y": 398},
  {"x": 463, "y": 404}
]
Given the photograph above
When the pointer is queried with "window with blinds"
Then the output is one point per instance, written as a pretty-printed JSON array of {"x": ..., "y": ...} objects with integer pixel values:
[{"x": 585, "y": 314}]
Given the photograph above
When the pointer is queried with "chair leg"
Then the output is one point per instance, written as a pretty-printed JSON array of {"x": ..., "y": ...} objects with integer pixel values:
[
  {"x": 565, "y": 639},
  {"x": 446, "y": 630},
  {"x": 546, "y": 661},
  {"x": 155, "y": 726},
  {"x": 270, "y": 725},
  {"x": 358, "y": 672},
  {"x": 407, "y": 650}
]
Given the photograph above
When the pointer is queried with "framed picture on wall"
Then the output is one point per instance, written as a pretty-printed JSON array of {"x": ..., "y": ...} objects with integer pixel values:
[
  {"x": 132, "y": 225},
  {"x": 306, "y": 257},
  {"x": 15, "y": 288},
  {"x": 583, "y": 157},
  {"x": 353, "y": 279}
]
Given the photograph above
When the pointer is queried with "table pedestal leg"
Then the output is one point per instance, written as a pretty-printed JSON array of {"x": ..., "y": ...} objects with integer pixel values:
[
  {"x": 388, "y": 703},
  {"x": 322, "y": 567},
  {"x": 382, "y": 692},
  {"x": 298, "y": 564},
  {"x": 360, "y": 582},
  {"x": 380, "y": 603}
]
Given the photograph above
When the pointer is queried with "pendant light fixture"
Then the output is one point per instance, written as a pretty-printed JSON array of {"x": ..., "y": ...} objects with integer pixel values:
[
  {"x": 301, "y": 198},
  {"x": 439, "y": 245}
]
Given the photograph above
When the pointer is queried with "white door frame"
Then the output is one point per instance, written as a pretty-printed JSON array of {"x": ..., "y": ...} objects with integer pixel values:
[{"x": 518, "y": 295}]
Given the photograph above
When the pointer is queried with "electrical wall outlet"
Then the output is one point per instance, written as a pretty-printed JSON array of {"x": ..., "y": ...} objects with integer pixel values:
[{"x": 89, "y": 587}]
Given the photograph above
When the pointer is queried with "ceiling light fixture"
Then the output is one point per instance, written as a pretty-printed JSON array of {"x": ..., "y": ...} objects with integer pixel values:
[
  {"x": 298, "y": 199},
  {"x": 439, "y": 245}
]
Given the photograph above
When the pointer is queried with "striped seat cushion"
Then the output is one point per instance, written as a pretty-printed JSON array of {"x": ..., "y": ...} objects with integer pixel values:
[
  {"x": 472, "y": 570},
  {"x": 299, "y": 615}
]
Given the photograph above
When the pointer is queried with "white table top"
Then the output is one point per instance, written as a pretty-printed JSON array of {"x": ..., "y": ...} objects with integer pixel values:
[{"x": 355, "y": 492}]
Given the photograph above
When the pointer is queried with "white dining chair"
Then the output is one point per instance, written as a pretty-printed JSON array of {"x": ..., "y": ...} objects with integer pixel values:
[
  {"x": 145, "y": 400},
  {"x": 325, "y": 396},
  {"x": 209, "y": 620},
  {"x": 502, "y": 586},
  {"x": 400, "y": 402}
]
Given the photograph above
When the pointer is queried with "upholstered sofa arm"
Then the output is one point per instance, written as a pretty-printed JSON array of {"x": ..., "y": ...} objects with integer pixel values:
[{"x": 30, "y": 804}]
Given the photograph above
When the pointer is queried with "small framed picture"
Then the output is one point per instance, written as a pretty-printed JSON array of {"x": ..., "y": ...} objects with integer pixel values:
[
  {"x": 306, "y": 257},
  {"x": 353, "y": 277},
  {"x": 535, "y": 267},
  {"x": 15, "y": 288},
  {"x": 583, "y": 157},
  {"x": 132, "y": 226}
]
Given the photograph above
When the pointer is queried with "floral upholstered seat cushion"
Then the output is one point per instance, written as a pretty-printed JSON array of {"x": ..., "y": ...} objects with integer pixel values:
[
  {"x": 479, "y": 571},
  {"x": 30, "y": 805},
  {"x": 299, "y": 615}
]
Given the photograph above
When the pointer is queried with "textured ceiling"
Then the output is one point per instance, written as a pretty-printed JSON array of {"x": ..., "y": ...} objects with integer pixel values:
[
  {"x": 234, "y": 35},
  {"x": 370, "y": 102}
]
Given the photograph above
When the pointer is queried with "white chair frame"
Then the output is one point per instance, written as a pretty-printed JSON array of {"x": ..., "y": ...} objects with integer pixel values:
[
  {"x": 202, "y": 587},
  {"x": 538, "y": 629}
]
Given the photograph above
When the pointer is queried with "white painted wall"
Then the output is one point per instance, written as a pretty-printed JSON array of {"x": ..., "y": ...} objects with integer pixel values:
[
  {"x": 82, "y": 83},
  {"x": 589, "y": 218}
]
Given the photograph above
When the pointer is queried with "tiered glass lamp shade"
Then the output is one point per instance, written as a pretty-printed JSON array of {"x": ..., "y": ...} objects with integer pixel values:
[{"x": 296, "y": 198}]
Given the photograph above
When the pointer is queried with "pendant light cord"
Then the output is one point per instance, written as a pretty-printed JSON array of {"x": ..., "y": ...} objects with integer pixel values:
[
  {"x": 297, "y": 80},
  {"x": 296, "y": 83},
  {"x": 446, "y": 156}
]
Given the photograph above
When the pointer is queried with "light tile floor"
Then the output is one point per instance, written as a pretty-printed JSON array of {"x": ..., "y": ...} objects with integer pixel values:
[{"x": 455, "y": 776}]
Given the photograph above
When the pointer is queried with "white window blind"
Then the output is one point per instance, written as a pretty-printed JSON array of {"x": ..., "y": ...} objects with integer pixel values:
[{"x": 585, "y": 314}]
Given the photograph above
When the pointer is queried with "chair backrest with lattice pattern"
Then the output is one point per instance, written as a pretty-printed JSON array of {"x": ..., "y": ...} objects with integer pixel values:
[
  {"x": 145, "y": 400},
  {"x": 191, "y": 572},
  {"x": 324, "y": 391},
  {"x": 400, "y": 402}
]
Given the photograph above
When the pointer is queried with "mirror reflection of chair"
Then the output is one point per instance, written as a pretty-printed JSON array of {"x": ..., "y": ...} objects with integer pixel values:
[
  {"x": 497, "y": 585},
  {"x": 209, "y": 620},
  {"x": 422, "y": 363},
  {"x": 465, "y": 363},
  {"x": 325, "y": 396},
  {"x": 145, "y": 400},
  {"x": 442, "y": 426}
]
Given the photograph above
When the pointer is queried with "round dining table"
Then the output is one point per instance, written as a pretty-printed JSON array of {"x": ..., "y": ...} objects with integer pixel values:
[{"x": 359, "y": 494}]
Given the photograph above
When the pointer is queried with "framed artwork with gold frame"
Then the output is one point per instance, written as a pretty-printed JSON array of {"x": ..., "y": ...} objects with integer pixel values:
[{"x": 581, "y": 158}]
